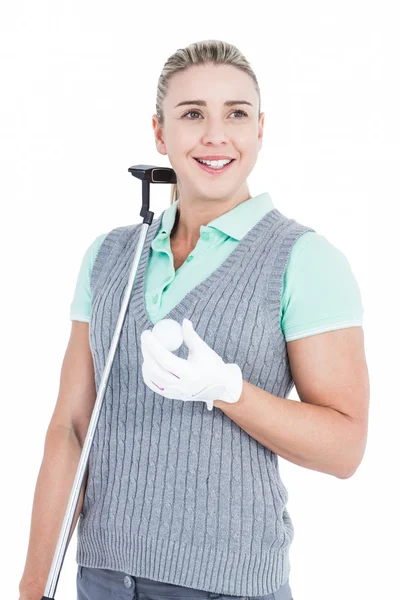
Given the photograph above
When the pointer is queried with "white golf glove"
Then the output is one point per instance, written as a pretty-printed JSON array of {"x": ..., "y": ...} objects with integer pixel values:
[{"x": 203, "y": 376}]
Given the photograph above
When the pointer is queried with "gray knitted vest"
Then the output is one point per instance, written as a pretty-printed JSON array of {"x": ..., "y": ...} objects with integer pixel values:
[{"x": 177, "y": 493}]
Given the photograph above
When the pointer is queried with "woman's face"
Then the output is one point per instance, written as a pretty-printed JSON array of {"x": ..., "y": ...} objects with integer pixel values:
[{"x": 210, "y": 129}]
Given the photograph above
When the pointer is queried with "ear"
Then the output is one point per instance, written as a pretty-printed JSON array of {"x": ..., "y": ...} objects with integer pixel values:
[
  {"x": 261, "y": 130},
  {"x": 158, "y": 135}
]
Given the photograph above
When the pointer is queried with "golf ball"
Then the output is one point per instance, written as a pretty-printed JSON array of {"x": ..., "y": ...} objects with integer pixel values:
[{"x": 169, "y": 333}]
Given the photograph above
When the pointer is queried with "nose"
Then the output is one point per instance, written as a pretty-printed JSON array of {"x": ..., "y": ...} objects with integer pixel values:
[{"x": 214, "y": 131}]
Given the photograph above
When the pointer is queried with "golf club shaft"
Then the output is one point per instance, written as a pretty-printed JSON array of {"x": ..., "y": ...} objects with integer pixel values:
[{"x": 58, "y": 559}]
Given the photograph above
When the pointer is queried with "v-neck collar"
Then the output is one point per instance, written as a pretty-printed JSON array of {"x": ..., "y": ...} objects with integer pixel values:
[{"x": 184, "y": 308}]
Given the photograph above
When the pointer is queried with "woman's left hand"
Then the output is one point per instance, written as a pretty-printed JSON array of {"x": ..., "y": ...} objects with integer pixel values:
[{"x": 203, "y": 376}]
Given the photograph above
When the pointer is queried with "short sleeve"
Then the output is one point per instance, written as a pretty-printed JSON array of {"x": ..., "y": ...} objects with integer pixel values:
[
  {"x": 320, "y": 292},
  {"x": 81, "y": 302}
]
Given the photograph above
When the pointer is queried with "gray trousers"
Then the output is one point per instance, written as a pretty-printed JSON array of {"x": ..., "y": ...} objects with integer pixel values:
[{"x": 106, "y": 584}]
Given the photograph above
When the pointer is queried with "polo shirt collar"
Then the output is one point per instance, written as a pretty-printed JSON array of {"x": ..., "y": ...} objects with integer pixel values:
[{"x": 235, "y": 223}]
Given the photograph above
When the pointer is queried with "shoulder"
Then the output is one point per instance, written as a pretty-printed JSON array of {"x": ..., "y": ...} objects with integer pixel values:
[
  {"x": 95, "y": 246},
  {"x": 102, "y": 244},
  {"x": 317, "y": 248},
  {"x": 320, "y": 290},
  {"x": 81, "y": 301}
]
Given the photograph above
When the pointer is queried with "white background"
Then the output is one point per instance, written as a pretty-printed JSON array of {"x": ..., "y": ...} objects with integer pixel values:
[{"x": 78, "y": 92}]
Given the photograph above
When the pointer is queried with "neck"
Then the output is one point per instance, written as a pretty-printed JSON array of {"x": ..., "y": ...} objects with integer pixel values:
[{"x": 191, "y": 214}]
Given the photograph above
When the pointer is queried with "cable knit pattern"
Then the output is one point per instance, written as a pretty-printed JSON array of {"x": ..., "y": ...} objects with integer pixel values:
[{"x": 177, "y": 493}]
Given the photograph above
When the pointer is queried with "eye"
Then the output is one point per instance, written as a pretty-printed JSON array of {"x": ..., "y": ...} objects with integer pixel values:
[{"x": 242, "y": 113}]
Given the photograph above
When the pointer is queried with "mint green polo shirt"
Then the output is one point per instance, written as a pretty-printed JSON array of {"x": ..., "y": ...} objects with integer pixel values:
[{"x": 319, "y": 293}]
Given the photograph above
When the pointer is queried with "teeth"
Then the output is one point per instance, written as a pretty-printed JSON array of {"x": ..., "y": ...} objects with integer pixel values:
[{"x": 217, "y": 164}]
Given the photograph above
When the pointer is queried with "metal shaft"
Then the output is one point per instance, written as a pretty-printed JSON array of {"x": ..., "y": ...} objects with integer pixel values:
[{"x": 58, "y": 559}]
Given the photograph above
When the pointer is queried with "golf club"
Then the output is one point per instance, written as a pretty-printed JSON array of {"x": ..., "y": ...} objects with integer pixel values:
[{"x": 148, "y": 174}]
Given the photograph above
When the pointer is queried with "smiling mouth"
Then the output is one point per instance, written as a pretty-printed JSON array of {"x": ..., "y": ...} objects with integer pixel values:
[{"x": 210, "y": 169}]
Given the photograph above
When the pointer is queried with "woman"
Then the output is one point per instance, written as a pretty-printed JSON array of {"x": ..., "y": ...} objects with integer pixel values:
[{"x": 182, "y": 501}]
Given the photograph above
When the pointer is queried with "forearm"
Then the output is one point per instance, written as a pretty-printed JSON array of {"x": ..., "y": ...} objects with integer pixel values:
[
  {"x": 312, "y": 436},
  {"x": 53, "y": 487}
]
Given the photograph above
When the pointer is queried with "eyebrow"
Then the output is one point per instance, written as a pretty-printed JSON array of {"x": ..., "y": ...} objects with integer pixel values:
[{"x": 204, "y": 103}]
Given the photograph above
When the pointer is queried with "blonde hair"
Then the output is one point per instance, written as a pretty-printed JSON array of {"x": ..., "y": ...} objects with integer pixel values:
[{"x": 199, "y": 53}]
